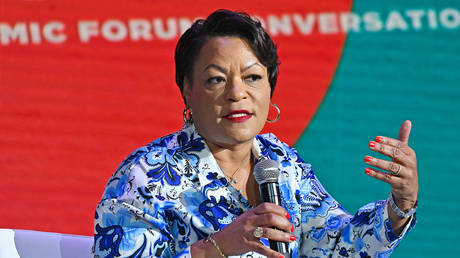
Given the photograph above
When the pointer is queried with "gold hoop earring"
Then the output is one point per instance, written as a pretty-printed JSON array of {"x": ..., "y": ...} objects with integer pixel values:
[
  {"x": 187, "y": 119},
  {"x": 277, "y": 116}
]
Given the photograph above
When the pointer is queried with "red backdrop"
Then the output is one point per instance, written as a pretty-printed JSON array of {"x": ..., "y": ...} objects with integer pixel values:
[{"x": 84, "y": 83}]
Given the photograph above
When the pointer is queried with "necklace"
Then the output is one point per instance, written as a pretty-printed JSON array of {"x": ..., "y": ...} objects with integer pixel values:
[{"x": 232, "y": 178}]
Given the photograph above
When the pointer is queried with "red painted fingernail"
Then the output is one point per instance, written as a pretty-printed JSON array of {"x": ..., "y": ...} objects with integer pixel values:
[
  {"x": 281, "y": 256},
  {"x": 367, "y": 170},
  {"x": 379, "y": 139},
  {"x": 371, "y": 144},
  {"x": 368, "y": 158},
  {"x": 292, "y": 228},
  {"x": 287, "y": 215},
  {"x": 293, "y": 238}
]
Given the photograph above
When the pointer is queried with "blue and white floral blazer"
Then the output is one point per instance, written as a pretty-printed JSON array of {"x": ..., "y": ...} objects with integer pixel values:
[{"x": 171, "y": 193}]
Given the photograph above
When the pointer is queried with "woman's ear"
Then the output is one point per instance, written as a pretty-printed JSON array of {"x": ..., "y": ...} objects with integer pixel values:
[{"x": 187, "y": 91}]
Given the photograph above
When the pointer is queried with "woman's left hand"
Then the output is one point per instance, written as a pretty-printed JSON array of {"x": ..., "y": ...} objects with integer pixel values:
[{"x": 401, "y": 171}]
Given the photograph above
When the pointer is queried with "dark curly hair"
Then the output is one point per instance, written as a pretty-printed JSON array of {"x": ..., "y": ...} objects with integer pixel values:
[{"x": 225, "y": 23}]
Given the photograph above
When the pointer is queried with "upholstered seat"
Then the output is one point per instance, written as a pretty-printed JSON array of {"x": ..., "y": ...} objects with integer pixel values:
[{"x": 36, "y": 244}]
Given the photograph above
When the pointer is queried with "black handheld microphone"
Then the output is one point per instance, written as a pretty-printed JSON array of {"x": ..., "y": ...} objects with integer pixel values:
[{"x": 266, "y": 173}]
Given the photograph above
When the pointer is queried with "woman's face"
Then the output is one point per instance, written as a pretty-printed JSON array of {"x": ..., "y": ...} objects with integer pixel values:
[{"x": 230, "y": 92}]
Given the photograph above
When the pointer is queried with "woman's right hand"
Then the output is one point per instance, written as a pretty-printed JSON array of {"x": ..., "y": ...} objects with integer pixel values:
[{"x": 238, "y": 237}]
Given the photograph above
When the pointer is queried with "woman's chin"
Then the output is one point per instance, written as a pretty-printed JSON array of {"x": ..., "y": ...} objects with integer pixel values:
[
  {"x": 240, "y": 135},
  {"x": 230, "y": 138},
  {"x": 228, "y": 134}
]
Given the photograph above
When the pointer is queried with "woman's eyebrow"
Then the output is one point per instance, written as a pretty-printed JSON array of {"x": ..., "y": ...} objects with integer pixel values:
[
  {"x": 223, "y": 70},
  {"x": 251, "y": 65}
]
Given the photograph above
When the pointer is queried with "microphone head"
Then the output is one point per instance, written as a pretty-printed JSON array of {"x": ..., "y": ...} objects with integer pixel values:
[{"x": 266, "y": 171}]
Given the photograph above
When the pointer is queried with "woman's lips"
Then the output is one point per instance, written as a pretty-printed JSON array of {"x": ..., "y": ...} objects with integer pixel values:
[{"x": 238, "y": 116}]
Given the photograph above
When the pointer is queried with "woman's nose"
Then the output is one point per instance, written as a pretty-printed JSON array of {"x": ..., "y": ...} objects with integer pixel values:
[{"x": 236, "y": 90}]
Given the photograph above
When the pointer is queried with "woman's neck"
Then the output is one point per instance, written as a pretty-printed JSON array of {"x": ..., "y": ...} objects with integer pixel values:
[
  {"x": 236, "y": 163},
  {"x": 231, "y": 156}
]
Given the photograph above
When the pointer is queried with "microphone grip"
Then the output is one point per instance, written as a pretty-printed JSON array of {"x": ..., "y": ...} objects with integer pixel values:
[{"x": 270, "y": 192}]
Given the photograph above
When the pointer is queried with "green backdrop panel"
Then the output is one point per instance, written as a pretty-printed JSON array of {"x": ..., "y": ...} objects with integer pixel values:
[{"x": 407, "y": 69}]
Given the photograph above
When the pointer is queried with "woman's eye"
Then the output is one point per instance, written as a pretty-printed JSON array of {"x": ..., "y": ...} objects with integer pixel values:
[
  {"x": 215, "y": 80},
  {"x": 253, "y": 77}
]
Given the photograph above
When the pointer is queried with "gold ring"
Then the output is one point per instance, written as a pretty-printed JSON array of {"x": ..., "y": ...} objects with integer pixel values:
[{"x": 258, "y": 232}]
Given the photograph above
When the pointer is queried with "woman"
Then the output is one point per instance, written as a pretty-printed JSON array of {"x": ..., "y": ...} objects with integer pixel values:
[{"x": 192, "y": 193}]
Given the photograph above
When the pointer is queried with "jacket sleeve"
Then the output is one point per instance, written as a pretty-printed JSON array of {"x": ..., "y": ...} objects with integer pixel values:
[
  {"x": 326, "y": 228},
  {"x": 130, "y": 222},
  {"x": 329, "y": 230}
]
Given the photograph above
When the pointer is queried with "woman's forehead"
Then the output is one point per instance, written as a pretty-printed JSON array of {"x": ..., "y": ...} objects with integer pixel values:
[{"x": 225, "y": 51}]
